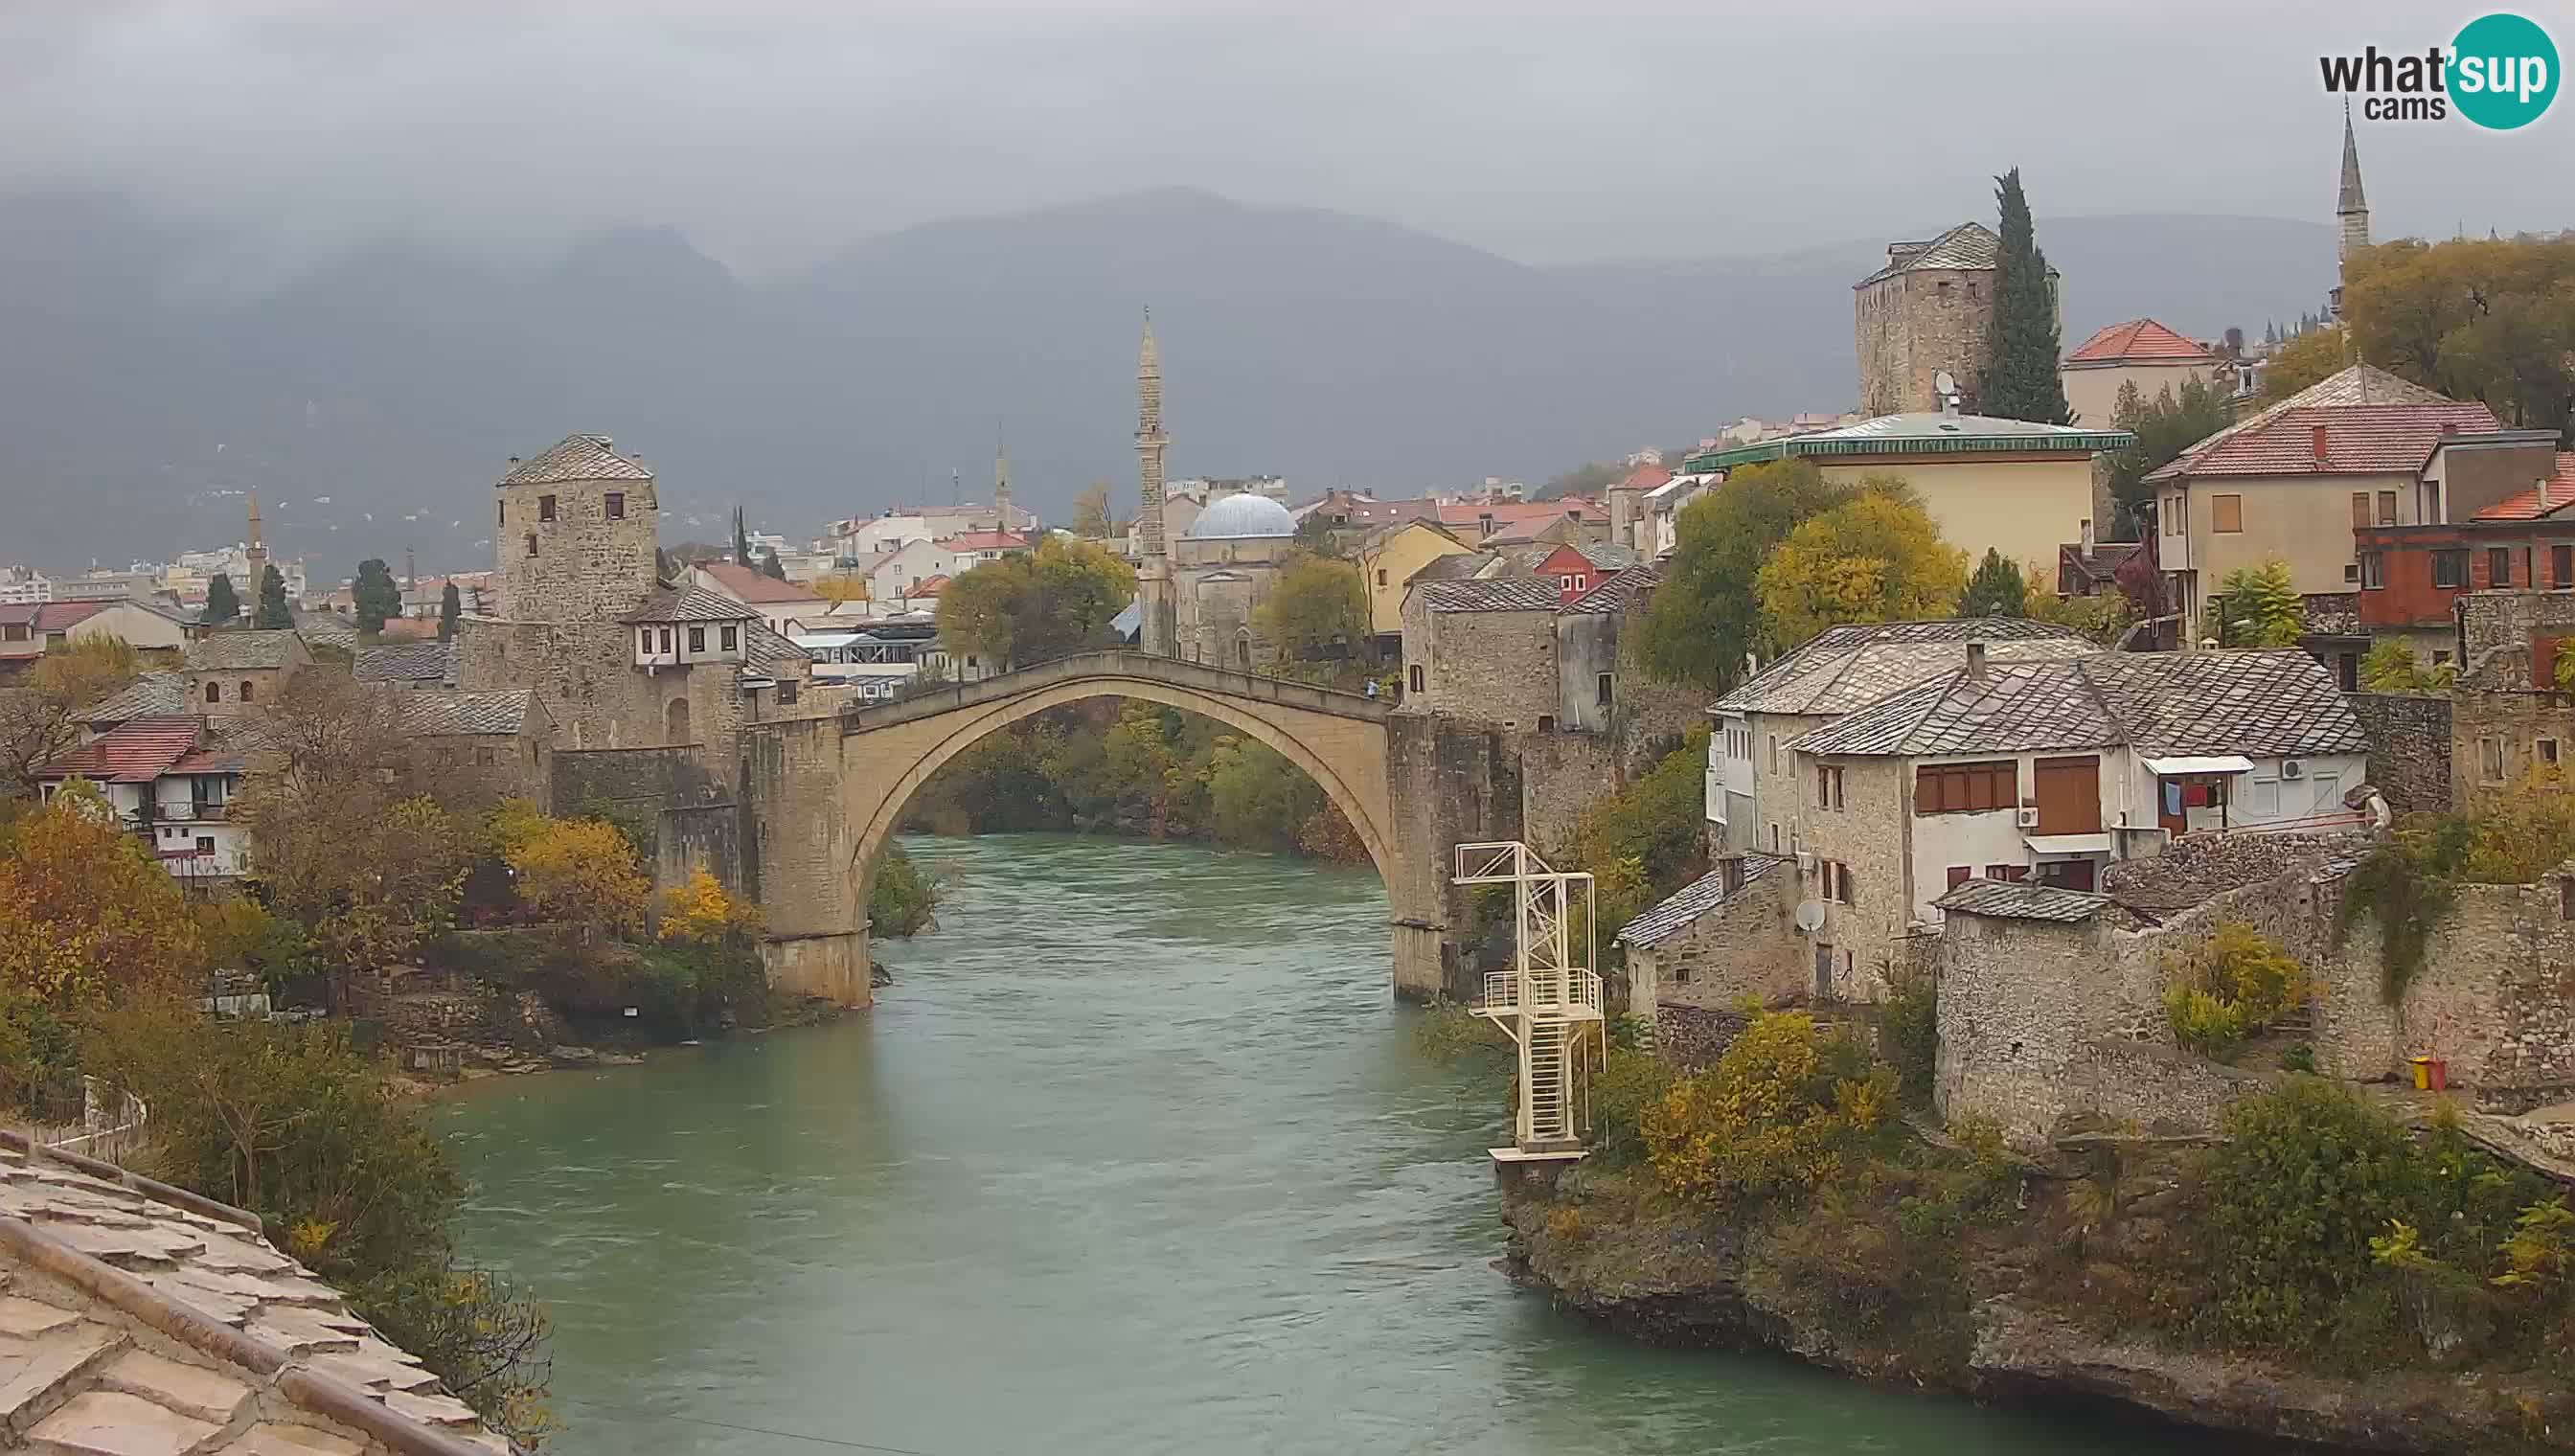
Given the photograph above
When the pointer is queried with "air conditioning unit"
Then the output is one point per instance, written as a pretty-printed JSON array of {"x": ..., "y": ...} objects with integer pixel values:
[
  {"x": 2292, "y": 768},
  {"x": 2027, "y": 818},
  {"x": 1805, "y": 862}
]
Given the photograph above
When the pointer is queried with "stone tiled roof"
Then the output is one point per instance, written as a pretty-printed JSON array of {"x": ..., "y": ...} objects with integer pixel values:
[
  {"x": 766, "y": 651},
  {"x": 1457, "y": 565},
  {"x": 1968, "y": 245},
  {"x": 2268, "y": 704},
  {"x": 1848, "y": 667},
  {"x": 1692, "y": 901},
  {"x": 236, "y": 652},
  {"x": 577, "y": 458},
  {"x": 2196, "y": 867},
  {"x": 2137, "y": 340},
  {"x": 326, "y": 630},
  {"x": 2021, "y": 900},
  {"x": 688, "y": 604},
  {"x": 140, "y": 1318},
  {"x": 1493, "y": 593},
  {"x": 410, "y": 662},
  {"x": 1613, "y": 594},
  {"x": 154, "y": 694},
  {"x": 441, "y": 711}
]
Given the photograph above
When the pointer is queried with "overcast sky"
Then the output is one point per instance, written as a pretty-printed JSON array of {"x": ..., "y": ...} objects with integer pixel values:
[{"x": 772, "y": 132}]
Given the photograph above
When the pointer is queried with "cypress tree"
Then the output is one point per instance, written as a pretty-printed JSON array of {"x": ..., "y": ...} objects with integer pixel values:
[
  {"x": 741, "y": 540},
  {"x": 222, "y": 605},
  {"x": 773, "y": 568},
  {"x": 1996, "y": 590},
  {"x": 376, "y": 595},
  {"x": 2021, "y": 345},
  {"x": 449, "y": 608},
  {"x": 272, "y": 614}
]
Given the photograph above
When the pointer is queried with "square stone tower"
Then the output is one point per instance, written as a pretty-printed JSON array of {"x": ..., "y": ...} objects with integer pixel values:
[
  {"x": 576, "y": 534},
  {"x": 1928, "y": 309}
]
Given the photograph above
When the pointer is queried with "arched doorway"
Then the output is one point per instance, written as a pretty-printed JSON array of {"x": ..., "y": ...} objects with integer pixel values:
[{"x": 674, "y": 723}]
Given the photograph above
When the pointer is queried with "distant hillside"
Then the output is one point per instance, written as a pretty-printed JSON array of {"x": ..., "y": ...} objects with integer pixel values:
[{"x": 1332, "y": 348}]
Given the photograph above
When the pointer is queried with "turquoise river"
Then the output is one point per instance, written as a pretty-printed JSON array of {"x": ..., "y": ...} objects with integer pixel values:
[{"x": 1137, "y": 1155}]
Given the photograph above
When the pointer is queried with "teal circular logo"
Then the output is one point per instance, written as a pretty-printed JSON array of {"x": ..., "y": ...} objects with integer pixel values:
[{"x": 2503, "y": 71}]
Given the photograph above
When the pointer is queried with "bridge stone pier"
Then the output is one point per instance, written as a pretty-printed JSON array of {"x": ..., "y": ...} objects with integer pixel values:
[{"x": 821, "y": 796}]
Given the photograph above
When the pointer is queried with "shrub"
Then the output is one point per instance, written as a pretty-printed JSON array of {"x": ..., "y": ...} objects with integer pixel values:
[
  {"x": 1773, "y": 1117},
  {"x": 903, "y": 900},
  {"x": 1630, "y": 1081},
  {"x": 1908, "y": 1029},
  {"x": 700, "y": 913},
  {"x": 2234, "y": 986}
]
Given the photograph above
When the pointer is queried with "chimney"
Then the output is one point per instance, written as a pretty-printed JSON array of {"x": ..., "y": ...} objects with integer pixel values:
[
  {"x": 1976, "y": 661},
  {"x": 2449, "y": 427},
  {"x": 2543, "y": 495},
  {"x": 2320, "y": 444},
  {"x": 2088, "y": 536}
]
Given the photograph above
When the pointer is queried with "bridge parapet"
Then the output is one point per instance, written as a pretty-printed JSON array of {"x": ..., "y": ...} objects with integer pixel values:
[{"x": 1142, "y": 667}]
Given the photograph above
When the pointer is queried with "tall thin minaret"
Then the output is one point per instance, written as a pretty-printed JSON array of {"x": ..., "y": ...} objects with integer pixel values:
[
  {"x": 255, "y": 554},
  {"x": 1157, "y": 630},
  {"x": 1001, "y": 481},
  {"x": 2351, "y": 210}
]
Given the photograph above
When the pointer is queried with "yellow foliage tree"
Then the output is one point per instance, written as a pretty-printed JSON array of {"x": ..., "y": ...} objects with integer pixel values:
[
  {"x": 1772, "y": 1118},
  {"x": 700, "y": 912},
  {"x": 842, "y": 587},
  {"x": 1875, "y": 558},
  {"x": 580, "y": 870},
  {"x": 86, "y": 915}
]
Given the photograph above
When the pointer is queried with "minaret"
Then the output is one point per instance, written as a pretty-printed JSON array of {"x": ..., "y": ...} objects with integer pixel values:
[
  {"x": 255, "y": 554},
  {"x": 2351, "y": 209},
  {"x": 1158, "y": 632},
  {"x": 1001, "y": 482}
]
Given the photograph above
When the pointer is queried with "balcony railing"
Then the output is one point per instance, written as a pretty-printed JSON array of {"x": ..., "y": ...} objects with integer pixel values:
[
  {"x": 183, "y": 812},
  {"x": 1570, "y": 991}
]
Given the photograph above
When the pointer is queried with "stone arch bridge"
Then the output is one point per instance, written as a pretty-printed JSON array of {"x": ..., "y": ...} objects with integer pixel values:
[{"x": 820, "y": 797}]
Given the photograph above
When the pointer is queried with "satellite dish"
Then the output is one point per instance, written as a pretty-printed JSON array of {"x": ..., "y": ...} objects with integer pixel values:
[
  {"x": 1945, "y": 382},
  {"x": 1811, "y": 917}
]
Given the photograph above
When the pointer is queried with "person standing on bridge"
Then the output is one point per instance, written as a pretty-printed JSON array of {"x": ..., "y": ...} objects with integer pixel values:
[{"x": 1371, "y": 689}]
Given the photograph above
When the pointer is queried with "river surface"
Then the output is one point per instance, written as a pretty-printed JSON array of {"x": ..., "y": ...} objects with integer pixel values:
[{"x": 1137, "y": 1155}]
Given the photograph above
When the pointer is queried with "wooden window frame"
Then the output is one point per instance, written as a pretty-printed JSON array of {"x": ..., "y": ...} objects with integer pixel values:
[
  {"x": 2498, "y": 567},
  {"x": 2387, "y": 508},
  {"x": 617, "y": 505},
  {"x": 2456, "y": 559},
  {"x": 545, "y": 507},
  {"x": 2226, "y": 515},
  {"x": 1986, "y": 785},
  {"x": 2361, "y": 518}
]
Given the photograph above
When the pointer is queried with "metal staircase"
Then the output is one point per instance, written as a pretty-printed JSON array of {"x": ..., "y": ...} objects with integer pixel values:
[{"x": 1550, "y": 1000}]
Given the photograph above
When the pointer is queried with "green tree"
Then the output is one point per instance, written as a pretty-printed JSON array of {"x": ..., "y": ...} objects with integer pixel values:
[
  {"x": 2259, "y": 607},
  {"x": 1316, "y": 536},
  {"x": 1034, "y": 604},
  {"x": 1996, "y": 590},
  {"x": 1705, "y": 619},
  {"x": 772, "y": 568},
  {"x": 2022, "y": 344},
  {"x": 2482, "y": 319},
  {"x": 1317, "y": 617},
  {"x": 1589, "y": 479},
  {"x": 901, "y": 900},
  {"x": 450, "y": 607},
  {"x": 741, "y": 540},
  {"x": 273, "y": 614},
  {"x": 2165, "y": 426},
  {"x": 222, "y": 605},
  {"x": 1090, "y": 512},
  {"x": 2391, "y": 667},
  {"x": 1875, "y": 558},
  {"x": 377, "y": 596},
  {"x": 2307, "y": 357},
  {"x": 36, "y": 719}
]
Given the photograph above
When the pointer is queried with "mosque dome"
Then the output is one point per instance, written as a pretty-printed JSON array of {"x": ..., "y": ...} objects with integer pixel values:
[{"x": 1241, "y": 515}]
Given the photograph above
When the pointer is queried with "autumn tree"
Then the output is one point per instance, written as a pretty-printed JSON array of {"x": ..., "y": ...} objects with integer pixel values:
[
  {"x": 2476, "y": 319},
  {"x": 273, "y": 614},
  {"x": 1317, "y": 616},
  {"x": 451, "y": 607},
  {"x": 1996, "y": 590},
  {"x": 86, "y": 913},
  {"x": 1034, "y": 604},
  {"x": 2305, "y": 359},
  {"x": 38, "y": 718},
  {"x": 1090, "y": 512},
  {"x": 842, "y": 587},
  {"x": 2165, "y": 426},
  {"x": 1875, "y": 558},
  {"x": 1705, "y": 618},
  {"x": 377, "y": 594},
  {"x": 222, "y": 605},
  {"x": 581, "y": 872},
  {"x": 699, "y": 912},
  {"x": 2022, "y": 344}
]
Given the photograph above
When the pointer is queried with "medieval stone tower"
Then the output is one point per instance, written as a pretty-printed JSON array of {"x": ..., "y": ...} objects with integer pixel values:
[
  {"x": 575, "y": 535},
  {"x": 1159, "y": 628}
]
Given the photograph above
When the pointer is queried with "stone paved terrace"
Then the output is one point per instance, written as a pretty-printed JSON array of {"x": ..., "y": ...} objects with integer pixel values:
[{"x": 140, "y": 1320}]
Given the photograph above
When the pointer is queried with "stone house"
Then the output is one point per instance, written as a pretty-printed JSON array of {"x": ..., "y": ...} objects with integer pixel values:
[
  {"x": 2011, "y": 486},
  {"x": 242, "y": 671},
  {"x": 1659, "y": 524},
  {"x": 1722, "y": 939},
  {"x": 2300, "y": 480},
  {"x": 1840, "y": 671},
  {"x": 1482, "y": 651},
  {"x": 1927, "y": 311},
  {"x": 474, "y": 749},
  {"x": 2138, "y": 351}
]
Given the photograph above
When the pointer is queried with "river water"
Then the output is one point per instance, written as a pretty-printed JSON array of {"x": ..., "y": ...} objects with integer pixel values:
[{"x": 1137, "y": 1157}]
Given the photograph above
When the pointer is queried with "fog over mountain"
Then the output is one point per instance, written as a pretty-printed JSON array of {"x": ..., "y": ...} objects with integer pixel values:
[{"x": 395, "y": 380}]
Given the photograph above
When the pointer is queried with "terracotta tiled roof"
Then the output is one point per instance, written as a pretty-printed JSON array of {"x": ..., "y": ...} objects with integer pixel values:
[
  {"x": 929, "y": 586},
  {"x": 2361, "y": 385},
  {"x": 2358, "y": 439},
  {"x": 1515, "y": 512},
  {"x": 1644, "y": 478},
  {"x": 2137, "y": 339},
  {"x": 983, "y": 541},
  {"x": 62, "y": 616},
  {"x": 577, "y": 458},
  {"x": 747, "y": 585},
  {"x": 2528, "y": 506},
  {"x": 135, "y": 752}
]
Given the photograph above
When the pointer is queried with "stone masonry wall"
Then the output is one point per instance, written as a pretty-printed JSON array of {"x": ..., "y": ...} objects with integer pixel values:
[
  {"x": 2409, "y": 747},
  {"x": 1909, "y": 327},
  {"x": 1745, "y": 947},
  {"x": 585, "y": 566},
  {"x": 1490, "y": 667},
  {"x": 2498, "y": 737},
  {"x": 1563, "y": 773},
  {"x": 1452, "y": 782},
  {"x": 2498, "y": 630},
  {"x": 1868, "y": 936},
  {"x": 585, "y": 677}
]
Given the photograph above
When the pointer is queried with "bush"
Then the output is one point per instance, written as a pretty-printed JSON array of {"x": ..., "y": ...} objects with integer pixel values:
[
  {"x": 1772, "y": 1118},
  {"x": 2232, "y": 987},
  {"x": 1632, "y": 1080},
  {"x": 903, "y": 900},
  {"x": 1908, "y": 1028}
]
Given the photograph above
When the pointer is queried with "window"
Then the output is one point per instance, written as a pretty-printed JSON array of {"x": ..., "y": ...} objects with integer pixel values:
[
  {"x": 1412, "y": 677},
  {"x": 532, "y": 543},
  {"x": 644, "y": 640},
  {"x": 788, "y": 688},
  {"x": 2351, "y": 572},
  {"x": 1775, "y": 838},
  {"x": 2373, "y": 571},
  {"x": 2490, "y": 759},
  {"x": 1829, "y": 786},
  {"x": 730, "y": 637},
  {"x": 1837, "y": 883},
  {"x": 1380, "y": 576},
  {"x": 204, "y": 844},
  {"x": 1775, "y": 753},
  {"x": 2226, "y": 513},
  {"x": 1959, "y": 875},
  {"x": 485, "y": 755},
  {"x": 2387, "y": 508},
  {"x": 2010, "y": 873},
  {"x": 501, "y": 514},
  {"x": 2561, "y": 567},
  {"x": 545, "y": 507},
  {"x": 617, "y": 505},
  {"x": 2440, "y": 656},
  {"x": 2546, "y": 748},
  {"x": 1966, "y": 788},
  {"x": 1564, "y": 584},
  {"x": 244, "y": 695},
  {"x": 2360, "y": 516},
  {"x": 2427, "y": 504},
  {"x": 1546, "y": 722},
  {"x": 697, "y": 639},
  {"x": 2263, "y": 797},
  {"x": 1601, "y": 689},
  {"x": 2498, "y": 567},
  {"x": 214, "y": 693},
  {"x": 666, "y": 639},
  {"x": 2449, "y": 568}
]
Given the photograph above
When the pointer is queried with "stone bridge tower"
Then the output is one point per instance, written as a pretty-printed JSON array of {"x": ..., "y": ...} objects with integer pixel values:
[
  {"x": 574, "y": 531},
  {"x": 1158, "y": 630}
]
